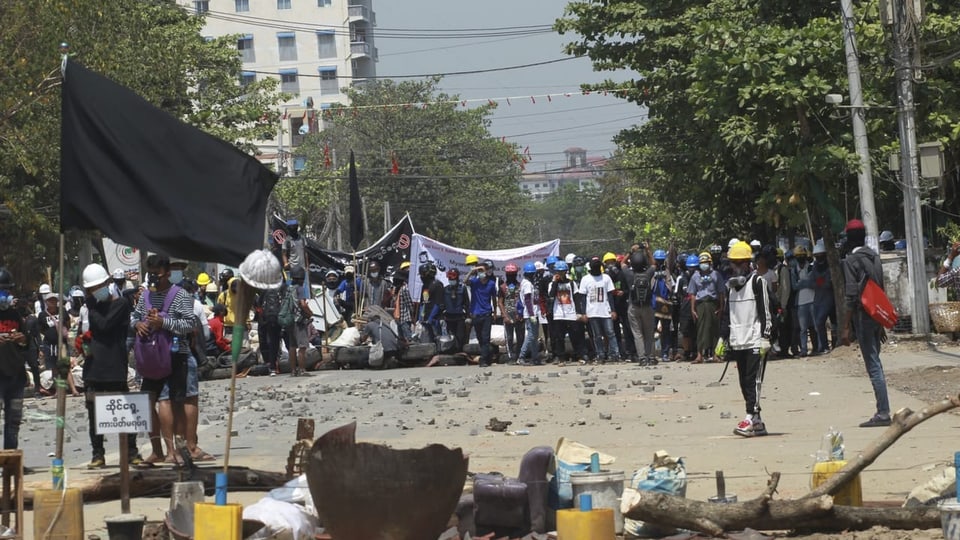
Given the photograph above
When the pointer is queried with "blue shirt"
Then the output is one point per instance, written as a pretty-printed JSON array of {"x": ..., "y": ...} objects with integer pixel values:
[
  {"x": 481, "y": 296},
  {"x": 704, "y": 286}
]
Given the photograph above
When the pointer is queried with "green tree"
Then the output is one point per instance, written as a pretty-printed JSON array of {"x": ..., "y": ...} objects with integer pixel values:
[
  {"x": 738, "y": 130},
  {"x": 154, "y": 48},
  {"x": 458, "y": 183}
]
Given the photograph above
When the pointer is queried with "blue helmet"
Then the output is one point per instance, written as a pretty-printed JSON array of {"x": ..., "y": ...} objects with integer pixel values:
[
  {"x": 659, "y": 255},
  {"x": 529, "y": 268},
  {"x": 552, "y": 260},
  {"x": 561, "y": 266},
  {"x": 693, "y": 261}
]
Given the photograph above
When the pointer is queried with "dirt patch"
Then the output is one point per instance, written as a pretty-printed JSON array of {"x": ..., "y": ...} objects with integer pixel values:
[{"x": 929, "y": 384}]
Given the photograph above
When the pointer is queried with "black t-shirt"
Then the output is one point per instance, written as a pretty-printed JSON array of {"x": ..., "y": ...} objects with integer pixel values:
[{"x": 12, "y": 355}]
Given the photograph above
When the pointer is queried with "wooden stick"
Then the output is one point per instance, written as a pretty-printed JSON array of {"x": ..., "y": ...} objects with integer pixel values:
[{"x": 124, "y": 474}]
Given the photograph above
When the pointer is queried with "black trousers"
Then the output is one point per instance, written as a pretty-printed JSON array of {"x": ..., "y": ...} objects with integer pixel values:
[{"x": 749, "y": 369}]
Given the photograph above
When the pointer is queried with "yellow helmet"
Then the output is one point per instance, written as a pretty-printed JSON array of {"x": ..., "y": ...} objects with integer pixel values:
[
  {"x": 203, "y": 279},
  {"x": 740, "y": 251},
  {"x": 705, "y": 257},
  {"x": 405, "y": 265},
  {"x": 800, "y": 251},
  {"x": 472, "y": 259},
  {"x": 609, "y": 256}
]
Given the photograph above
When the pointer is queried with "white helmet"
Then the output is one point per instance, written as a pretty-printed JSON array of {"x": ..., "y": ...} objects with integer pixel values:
[
  {"x": 569, "y": 258},
  {"x": 886, "y": 236},
  {"x": 819, "y": 248},
  {"x": 733, "y": 241},
  {"x": 94, "y": 275},
  {"x": 45, "y": 289}
]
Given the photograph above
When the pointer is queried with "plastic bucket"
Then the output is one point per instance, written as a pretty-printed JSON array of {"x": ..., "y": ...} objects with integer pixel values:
[
  {"x": 597, "y": 524},
  {"x": 606, "y": 489},
  {"x": 125, "y": 527},
  {"x": 950, "y": 519}
]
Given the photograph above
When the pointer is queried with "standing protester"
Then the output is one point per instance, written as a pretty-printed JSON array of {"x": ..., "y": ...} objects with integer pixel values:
[
  {"x": 802, "y": 282},
  {"x": 431, "y": 302},
  {"x": 483, "y": 294},
  {"x": 13, "y": 353},
  {"x": 662, "y": 302},
  {"x": 268, "y": 325},
  {"x": 294, "y": 248},
  {"x": 621, "y": 305},
  {"x": 687, "y": 329},
  {"x": 861, "y": 264},
  {"x": 530, "y": 298},
  {"x": 376, "y": 290},
  {"x": 455, "y": 304},
  {"x": 823, "y": 303},
  {"x": 639, "y": 277},
  {"x": 105, "y": 368},
  {"x": 561, "y": 301},
  {"x": 509, "y": 300},
  {"x": 403, "y": 303},
  {"x": 746, "y": 329},
  {"x": 177, "y": 323},
  {"x": 597, "y": 289},
  {"x": 705, "y": 305},
  {"x": 300, "y": 336}
]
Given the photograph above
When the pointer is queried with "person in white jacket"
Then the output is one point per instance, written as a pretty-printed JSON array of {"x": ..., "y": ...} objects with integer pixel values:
[{"x": 746, "y": 333}]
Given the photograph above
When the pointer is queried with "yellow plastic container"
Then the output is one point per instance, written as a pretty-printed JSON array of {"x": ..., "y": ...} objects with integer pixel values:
[
  {"x": 69, "y": 524},
  {"x": 850, "y": 495},
  {"x": 213, "y": 522},
  {"x": 597, "y": 524}
]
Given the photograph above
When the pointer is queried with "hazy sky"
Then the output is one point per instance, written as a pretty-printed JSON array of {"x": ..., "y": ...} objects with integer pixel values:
[{"x": 547, "y": 127}]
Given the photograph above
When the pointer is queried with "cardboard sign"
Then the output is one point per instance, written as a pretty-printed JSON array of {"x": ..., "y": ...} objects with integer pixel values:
[{"x": 122, "y": 413}]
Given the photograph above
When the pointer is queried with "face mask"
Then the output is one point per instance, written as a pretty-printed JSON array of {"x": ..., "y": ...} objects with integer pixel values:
[
  {"x": 6, "y": 301},
  {"x": 153, "y": 280},
  {"x": 374, "y": 274},
  {"x": 455, "y": 281},
  {"x": 176, "y": 276},
  {"x": 119, "y": 283},
  {"x": 332, "y": 284},
  {"x": 102, "y": 294},
  {"x": 76, "y": 302},
  {"x": 801, "y": 261},
  {"x": 579, "y": 269},
  {"x": 704, "y": 267},
  {"x": 736, "y": 282}
]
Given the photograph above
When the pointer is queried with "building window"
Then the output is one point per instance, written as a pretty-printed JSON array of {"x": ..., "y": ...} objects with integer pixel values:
[
  {"x": 201, "y": 6},
  {"x": 329, "y": 85},
  {"x": 299, "y": 164},
  {"x": 289, "y": 83},
  {"x": 247, "y": 77},
  {"x": 241, "y": 5},
  {"x": 326, "y": 44},
  {"x": 287, "y": 44},
  {"x": 283, "y": 4},
  {"x": 324, "y": 3},
  {"x": 245, "y": 46}
]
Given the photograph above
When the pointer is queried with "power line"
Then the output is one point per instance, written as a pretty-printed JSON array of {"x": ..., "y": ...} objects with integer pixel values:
[
  {"x": 576, "y": 127},
  {"x": 426, "y": 75}
]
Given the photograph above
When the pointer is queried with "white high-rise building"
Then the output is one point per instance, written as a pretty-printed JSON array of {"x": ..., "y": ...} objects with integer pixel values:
[{"x": 314, "y": 47}]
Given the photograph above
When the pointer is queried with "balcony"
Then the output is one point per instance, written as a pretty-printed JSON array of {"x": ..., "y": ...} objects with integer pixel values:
[
  {"x": 359, "y": 49},
  {"x": 361, "y": 13}
]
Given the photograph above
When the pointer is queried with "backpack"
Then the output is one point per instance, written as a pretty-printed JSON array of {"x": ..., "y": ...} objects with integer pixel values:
[
  {"x": 454, "y": 299},
  {"x": 270, "y": 307},
  {"x": 152, "y": 352},
  {"x": 640, "y": 289},
  {"x": 289, "y": 310}
]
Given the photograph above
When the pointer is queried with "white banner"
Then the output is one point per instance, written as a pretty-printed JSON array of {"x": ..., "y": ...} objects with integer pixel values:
[
  {"x": 120, "y": 256},
  {"x": 425, "y": 249}
]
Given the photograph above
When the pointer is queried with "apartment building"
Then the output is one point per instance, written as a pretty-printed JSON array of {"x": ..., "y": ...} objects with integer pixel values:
[
  {"x": 579, "y": 170},
  {"x": 314, "y": 47}
]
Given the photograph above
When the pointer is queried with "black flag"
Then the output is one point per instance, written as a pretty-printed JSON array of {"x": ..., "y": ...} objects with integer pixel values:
[
  {"x": 148, "y": 180},
  {"x": 356, "y": 207}
]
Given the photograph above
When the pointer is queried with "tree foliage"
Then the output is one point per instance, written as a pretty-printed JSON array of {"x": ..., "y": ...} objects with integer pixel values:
[
  {"x": 458, "y": 183},
  {"x": 739, "y": 134},
  {"x": 154, "y": 48}
]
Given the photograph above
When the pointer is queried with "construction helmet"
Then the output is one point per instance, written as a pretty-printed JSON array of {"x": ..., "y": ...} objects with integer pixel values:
[
  {"x": 6, "y": 279},
  {"x": 405, "y": 265},
  {"x": 819, "y": 248},
  {"x": 659, "y": 255},
  {"x": 561, "y": 266},
  {"x": 609, "y": 256},
  {"x": 705, "y": 257},
  {"x": 453, "y": 273},
  {"x": 715, "y": 248},
  {"x": 692, "y": 261},
  {"x": 472, "y": 259},
  {"x": 569, "y": 258},
  {"x": 741, "y": 251},
  {"x": 94, "y": 275},
  {"x": 529, "y": 268},
  {"x": 733, "y": 241},
  {"x": 800, "y": 251},
  {"x": 511, "y": 268},
  {"x": 552, "y": 260},
  {"x": 203, "y": 279}
]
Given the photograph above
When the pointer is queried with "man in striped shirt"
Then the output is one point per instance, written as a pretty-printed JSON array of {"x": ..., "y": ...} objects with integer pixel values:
[{"x": 179, "y": 321}]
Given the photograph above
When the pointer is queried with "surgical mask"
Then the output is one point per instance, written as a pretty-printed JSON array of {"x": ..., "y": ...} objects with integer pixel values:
[
  {"x": 704, "y": 267},
  {"x": 6, "y": 300},
  {"x": 102, "y": 294},
  {"x": 374, "y": 274},
  {"x": 176, "y": 276},
  {"x": 579, "y": 269}
]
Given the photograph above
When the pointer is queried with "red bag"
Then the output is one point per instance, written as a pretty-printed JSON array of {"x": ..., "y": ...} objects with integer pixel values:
[{"x": 876, "y": 304}]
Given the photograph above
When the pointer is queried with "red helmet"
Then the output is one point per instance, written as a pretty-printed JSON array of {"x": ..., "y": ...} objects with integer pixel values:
[
  {"x": 511, "y": 269},
  {"x": 453, "y": 273}
]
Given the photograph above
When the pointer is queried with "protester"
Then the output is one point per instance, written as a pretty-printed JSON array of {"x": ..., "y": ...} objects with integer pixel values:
[
  {"x": 105, "y": 367},
  {"x": 299, "y": 337},
  {"x": 597, "y": 289},
  {"x": 639, "y": 277},
  {"x": 514, "y": 327},
  {"x": 431, "y": 303},
  {"x": 823, "y": 302},
  {"x": 561, "y": 301},
  {"x": 268, "y": 325},
  {"x": 217, "y": 343},
  {"x": 403, "y": 303},
  {"x": 861, "y": 264},
  {"x": 530, "y": 298},
  {"x": 483, "y": 294},
  {"x": 294, "y": 248},
  {"x": 705, "y": 306},
  {"x": 686, "y": 327},
  {"x": 14, "y": 347},
  {"x": 376, "y": 290},
  {"x": 746, "y": 331},
  {"x": 662, "y": 303},
  {"x": 802, "y": 282},
  {"x": 377, "y": 332}
]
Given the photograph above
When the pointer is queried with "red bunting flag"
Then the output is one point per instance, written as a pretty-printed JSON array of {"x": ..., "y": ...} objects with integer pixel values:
[
  {"x": 394, "y": 164},
  {"x": 327, "y": 162}
]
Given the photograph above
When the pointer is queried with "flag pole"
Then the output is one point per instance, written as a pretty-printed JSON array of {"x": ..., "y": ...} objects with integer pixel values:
[{"x": 61, "y": 359}]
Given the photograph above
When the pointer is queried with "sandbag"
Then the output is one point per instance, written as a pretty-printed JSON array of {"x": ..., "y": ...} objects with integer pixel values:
[
  {"x": 281, "y": 520},
  {"x": 664, "y": 475}
]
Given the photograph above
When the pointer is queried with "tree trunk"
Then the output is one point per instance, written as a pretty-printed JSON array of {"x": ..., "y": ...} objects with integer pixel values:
[{"x": 157, "y": 483}]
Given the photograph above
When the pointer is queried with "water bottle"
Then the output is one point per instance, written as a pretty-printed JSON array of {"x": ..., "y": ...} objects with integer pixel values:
[
  {"x": 56, "y": 471},
  {"x": 175, "y": 347}
]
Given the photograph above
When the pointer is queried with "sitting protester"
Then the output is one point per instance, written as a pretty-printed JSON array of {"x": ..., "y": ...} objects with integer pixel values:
[{"x": 218, "y": 343}]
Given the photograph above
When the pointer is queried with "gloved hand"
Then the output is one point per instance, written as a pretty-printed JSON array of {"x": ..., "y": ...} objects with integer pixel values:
[
  {"x": 721, "y": 349},
  {"x": 533, "y": 320},
  {"x": 764, "y": 348}
]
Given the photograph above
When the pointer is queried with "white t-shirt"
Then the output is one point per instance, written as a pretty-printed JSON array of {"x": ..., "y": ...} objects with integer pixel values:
[
  {"x": 563, "y": 307},
  {"x": 595, "y": 289},
  {"x": 201, "y": 314},
  {"x": 526, "y": 287}
]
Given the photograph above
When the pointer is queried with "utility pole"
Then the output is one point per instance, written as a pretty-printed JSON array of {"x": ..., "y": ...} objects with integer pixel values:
[
  {"x": 865, "y": 174},
  {"x": 386, "y": 217},
  {"x": 904, "y": 22}
]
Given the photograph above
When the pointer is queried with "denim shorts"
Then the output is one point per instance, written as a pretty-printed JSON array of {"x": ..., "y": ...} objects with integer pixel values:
[{"x": 193, "y": 381}]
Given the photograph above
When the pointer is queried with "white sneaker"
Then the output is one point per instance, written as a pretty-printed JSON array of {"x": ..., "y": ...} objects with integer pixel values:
[{"x": 750, "y": 426}]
